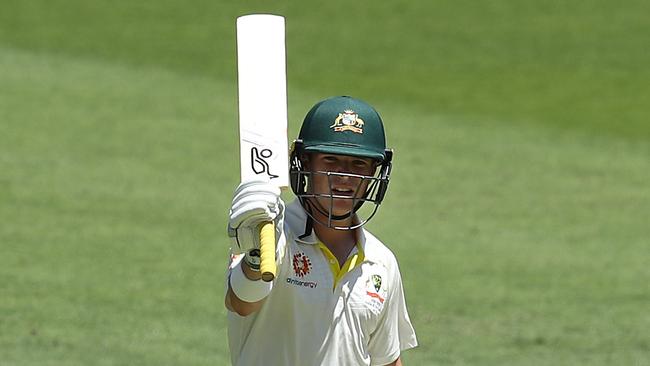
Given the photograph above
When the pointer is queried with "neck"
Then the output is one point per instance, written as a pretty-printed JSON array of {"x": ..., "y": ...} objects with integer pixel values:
[
  {"x": 339, "y": 242},
  {"x": 320, "y": 214},
  {"x": 332, "y": 237}
]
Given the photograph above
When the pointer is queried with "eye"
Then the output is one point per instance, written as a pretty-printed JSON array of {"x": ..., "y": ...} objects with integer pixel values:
[{"x": 360, "y": 163}]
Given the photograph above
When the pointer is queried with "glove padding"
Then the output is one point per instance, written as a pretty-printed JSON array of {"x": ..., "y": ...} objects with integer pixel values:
[{"x": 254, "y": 202}]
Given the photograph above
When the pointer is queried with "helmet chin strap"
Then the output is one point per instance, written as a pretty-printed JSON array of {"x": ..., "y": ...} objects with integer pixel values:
[{"x": 309, "y": 223}]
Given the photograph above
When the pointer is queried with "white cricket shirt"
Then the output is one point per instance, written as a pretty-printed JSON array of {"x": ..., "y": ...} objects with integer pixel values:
[{"x": 309, "y": 318}]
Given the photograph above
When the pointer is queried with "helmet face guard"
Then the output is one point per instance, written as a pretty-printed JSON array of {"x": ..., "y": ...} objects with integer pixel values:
[{"x": 319, "y": 206}]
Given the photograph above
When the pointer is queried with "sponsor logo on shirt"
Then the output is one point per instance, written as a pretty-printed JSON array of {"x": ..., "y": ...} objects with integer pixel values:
[
  {"x": 376, "y": 294},
  {"x": 301, "y": 268},
  {"x": 301, "y": 264},
  {"x": 300, "y": 283}
]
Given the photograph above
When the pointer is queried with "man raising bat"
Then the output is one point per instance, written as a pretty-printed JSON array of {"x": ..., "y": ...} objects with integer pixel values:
[{"x": 337, "y": 296}]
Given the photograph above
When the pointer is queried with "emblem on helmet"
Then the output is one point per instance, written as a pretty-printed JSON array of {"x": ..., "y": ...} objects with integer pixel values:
[{"x": 348, "y": 121}]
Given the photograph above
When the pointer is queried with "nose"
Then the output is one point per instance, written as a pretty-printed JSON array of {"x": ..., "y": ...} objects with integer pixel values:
[{"x": 344, "y": 166}]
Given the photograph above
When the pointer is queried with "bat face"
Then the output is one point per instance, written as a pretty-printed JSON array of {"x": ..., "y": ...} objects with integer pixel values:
[
  {"x": 261, "y": 69},
  {"x": 261, "y": 65}
]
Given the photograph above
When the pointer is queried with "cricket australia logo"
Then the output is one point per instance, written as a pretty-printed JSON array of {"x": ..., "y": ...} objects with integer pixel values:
[
  {"x": 376, "y": 296},
  {"x": 301, "y": 264},
  {"x": 376, "y": 281},
  {"x": 348, "y": 121}
]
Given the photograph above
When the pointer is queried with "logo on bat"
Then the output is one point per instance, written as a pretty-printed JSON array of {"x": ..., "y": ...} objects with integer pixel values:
[{"x": 259, "y": 162}]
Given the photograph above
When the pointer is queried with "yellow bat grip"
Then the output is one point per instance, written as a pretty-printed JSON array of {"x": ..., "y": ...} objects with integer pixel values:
[{"x": 267, "y": 251}]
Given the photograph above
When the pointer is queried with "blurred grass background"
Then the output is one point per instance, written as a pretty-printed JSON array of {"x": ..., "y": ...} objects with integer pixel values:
[{"x": 518, "y": 207}]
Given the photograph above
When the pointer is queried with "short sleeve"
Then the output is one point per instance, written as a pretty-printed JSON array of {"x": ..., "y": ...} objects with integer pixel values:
[{"x": 395, "y": 332}]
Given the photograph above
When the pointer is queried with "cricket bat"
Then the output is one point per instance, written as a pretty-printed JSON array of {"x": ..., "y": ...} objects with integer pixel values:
[{"x": 262, "y": 91}]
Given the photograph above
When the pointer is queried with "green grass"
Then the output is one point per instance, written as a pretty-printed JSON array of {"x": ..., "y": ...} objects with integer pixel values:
[
  {"x": 533, "y": 247},
  {"x": 518, "y": 206},
  {"x": 110, "y": 243},
  {"x": 569, "y": 64}
]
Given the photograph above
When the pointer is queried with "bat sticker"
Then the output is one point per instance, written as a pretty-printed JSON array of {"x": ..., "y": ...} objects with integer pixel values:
[{"x": 259, "y": 163}]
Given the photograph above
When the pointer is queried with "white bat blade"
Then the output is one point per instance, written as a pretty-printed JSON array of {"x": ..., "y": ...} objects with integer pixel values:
[{"x": 261, "y": 66}]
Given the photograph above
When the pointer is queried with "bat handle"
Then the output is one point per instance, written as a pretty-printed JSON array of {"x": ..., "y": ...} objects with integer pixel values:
[{"x": 267, "y": 251}]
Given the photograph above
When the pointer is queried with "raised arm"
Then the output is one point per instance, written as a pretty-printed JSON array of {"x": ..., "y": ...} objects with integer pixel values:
[{"x": 254, "y": 203}]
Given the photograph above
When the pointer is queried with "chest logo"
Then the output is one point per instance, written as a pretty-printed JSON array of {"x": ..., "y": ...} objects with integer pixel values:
[
  {"x": 376, "y": 281},
  {"x": 301, "y": 264}
]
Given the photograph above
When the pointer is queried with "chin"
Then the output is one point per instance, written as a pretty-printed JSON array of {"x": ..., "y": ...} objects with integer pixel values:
[
  {"x": 342, "y": 209},
  {"x": 339, "y": 207}
]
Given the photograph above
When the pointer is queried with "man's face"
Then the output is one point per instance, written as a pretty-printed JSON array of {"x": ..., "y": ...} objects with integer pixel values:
[{"x": 339, "y": 185}]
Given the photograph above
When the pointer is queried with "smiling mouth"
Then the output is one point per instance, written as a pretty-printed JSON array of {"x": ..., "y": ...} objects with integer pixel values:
[{"x": 345, "y": 192}]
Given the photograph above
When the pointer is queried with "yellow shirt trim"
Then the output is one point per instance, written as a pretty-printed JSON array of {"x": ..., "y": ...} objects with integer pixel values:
[{"x": 351, "y": 263}]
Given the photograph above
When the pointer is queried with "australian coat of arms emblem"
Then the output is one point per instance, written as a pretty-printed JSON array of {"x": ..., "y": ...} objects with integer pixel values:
[{"x": 348, "y": 121}]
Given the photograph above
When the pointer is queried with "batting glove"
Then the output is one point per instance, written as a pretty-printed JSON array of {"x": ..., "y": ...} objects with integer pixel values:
[{"x": 254, "y": 203}]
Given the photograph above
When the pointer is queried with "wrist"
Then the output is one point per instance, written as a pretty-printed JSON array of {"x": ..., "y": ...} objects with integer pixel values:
[
  {"x": 246, "y": 284},
  {"x": 250, "y": 273}
]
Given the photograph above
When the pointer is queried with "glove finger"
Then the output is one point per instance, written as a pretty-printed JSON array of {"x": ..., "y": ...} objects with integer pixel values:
[
  {"x": 255, "y": 183},
  {"x": 247, "y": 219},
  {"x": 256, "y": 188},
  {"x": 254, "y": 206},
  {"x": 263, "y": 200},
  {"x": 250, "y": 214},
  {"x": 259, "y": 199},
  {"x": 253, "y": 222}
]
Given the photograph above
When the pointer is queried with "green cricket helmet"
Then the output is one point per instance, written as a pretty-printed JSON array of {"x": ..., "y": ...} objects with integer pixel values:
[{"x": 342, "y": 126}]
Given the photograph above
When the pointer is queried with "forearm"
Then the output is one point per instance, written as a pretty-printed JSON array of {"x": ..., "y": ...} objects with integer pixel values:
[
  {"x": 397, "y": 362},
  {"x": 254, "y": 202}
]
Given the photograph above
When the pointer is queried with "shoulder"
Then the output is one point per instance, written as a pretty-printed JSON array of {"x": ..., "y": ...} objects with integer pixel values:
[
  {"x": 376, "y": 251},
  {"x": 382, "y": 266}
]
